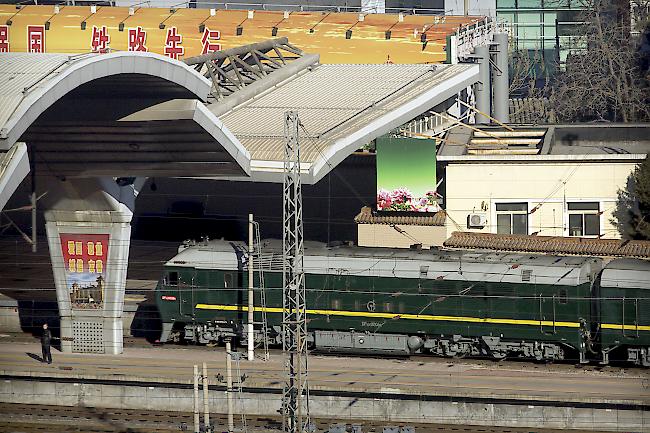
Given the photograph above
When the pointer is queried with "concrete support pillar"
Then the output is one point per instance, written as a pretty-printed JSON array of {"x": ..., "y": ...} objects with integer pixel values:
[
  {"x": 88, "y": 230},
  {"x": 482, "y": 89},
  {"x": 501, "y": 81}
]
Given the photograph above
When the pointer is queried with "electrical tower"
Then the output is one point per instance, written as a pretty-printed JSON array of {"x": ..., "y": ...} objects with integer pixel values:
[{"x": 295, "y": 398}]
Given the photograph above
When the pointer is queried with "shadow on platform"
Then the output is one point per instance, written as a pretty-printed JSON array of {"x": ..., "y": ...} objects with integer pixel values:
[{"x": 146, "y": 321}]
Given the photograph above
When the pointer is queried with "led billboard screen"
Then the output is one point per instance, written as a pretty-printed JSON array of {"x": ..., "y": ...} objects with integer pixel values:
[{"x": 406, "y": 174}]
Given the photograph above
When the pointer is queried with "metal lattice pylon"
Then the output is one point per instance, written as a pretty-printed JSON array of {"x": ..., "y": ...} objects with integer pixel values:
[{"x": 295, "y": 398}]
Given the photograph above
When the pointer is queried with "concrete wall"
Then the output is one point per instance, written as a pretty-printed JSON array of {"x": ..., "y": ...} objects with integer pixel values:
[
  {"x": 384, "y": 409},
  {"x": 382, "y": 235},
  {"x": 9, "y": 319},
  {"x": 477, "y": 187}
]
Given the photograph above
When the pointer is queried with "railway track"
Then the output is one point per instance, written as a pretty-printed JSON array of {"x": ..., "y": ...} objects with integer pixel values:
[{"x": 22, "y": 418}]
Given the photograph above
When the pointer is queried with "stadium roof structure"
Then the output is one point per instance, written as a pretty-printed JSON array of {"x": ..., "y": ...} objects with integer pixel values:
[
  {"x": 130, "y": 114},
  {"x": 341, "y": 107},
  {"x": 68, "y": 109},
  {"x": 547, "y": 143}
]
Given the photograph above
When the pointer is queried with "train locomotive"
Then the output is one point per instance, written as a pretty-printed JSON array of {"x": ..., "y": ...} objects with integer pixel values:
[{"x": 402, "y": 302}]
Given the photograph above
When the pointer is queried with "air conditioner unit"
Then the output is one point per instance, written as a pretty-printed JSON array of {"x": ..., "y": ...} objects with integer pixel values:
[{"x": 476, "y": 220}]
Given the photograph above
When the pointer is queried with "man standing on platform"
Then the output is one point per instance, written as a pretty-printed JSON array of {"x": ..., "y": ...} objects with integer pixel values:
[{"x": 46, "y": 339}]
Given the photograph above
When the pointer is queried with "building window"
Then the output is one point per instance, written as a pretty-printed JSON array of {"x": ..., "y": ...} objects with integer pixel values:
[
  {"x": 584, "y": 218},
  {"x": 501, "y": 4},
  {"x": 512, "y": 218}
]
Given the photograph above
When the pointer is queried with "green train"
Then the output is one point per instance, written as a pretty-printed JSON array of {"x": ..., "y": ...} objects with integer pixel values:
[{"x": 395, "y": 301}]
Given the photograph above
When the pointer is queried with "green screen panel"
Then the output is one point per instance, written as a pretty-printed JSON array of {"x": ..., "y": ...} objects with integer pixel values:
[{"x": 406, "y": 174}]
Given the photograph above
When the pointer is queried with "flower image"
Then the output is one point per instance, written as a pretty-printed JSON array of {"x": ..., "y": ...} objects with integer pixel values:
[
  {"x": 402, "y": 195},
  {"x": 401, "y": 199},
  {"x": 384, "y": 199}
]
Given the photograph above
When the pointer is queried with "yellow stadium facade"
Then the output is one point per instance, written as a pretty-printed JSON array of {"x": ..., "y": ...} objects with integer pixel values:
[{"x": 182, "y": 33}]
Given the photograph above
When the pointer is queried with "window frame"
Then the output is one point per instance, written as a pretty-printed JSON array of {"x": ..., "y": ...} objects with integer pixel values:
[
  {"x": 496, "y": 213},
  {"x": 228, "y": 277},
  {"x": 167, "y": 281},
  {"x": 582, "y": 212}
]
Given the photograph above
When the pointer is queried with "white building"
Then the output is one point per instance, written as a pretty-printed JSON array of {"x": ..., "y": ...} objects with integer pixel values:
[{"x": 559, "y": 180}]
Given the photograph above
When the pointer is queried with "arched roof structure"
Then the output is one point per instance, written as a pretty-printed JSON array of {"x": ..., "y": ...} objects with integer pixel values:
[
  {"x": 132, "y": 114},
  {"x": 32, "y": 83},
  {"x": 70, "y": 108},
  {"x": 341, "y": 107}
]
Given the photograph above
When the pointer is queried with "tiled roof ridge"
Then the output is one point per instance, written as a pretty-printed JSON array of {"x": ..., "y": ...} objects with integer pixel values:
[
  {"x": 550, "y": 244},
  {"x": 367, "y": 216}
]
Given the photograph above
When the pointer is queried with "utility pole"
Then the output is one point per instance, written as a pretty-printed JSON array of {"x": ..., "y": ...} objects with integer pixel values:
[
  {"x": 295, "y": 398},
  {"x": 32, "y": 197},
  {"x": 231, "y": 418},
  {"x": 206, "y": 401},
  {"x": 197, "y": 422},
  {"x": 251, "y": 299}
]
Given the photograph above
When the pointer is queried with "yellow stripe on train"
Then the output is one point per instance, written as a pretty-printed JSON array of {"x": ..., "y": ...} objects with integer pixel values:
[
  {"x": 625, "y": 327},
  {"x": 394, "y": 316}
]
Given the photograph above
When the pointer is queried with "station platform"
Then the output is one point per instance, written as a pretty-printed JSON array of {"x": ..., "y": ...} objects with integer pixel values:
[
  {"x": 421, "y": 376},
  {"x": 350, "y": 389}
]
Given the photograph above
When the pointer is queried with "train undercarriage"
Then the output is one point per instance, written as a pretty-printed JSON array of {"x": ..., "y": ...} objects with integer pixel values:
[
  {"x": 456, "y": 346},
  {"x": 453, "y": 346}
]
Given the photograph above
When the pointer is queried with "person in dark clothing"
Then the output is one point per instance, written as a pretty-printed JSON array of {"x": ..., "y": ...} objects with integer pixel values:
[{"x": 46, "y": 340}]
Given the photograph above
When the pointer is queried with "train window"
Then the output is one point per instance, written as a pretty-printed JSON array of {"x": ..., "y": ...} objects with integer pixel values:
[
  {"x": 564, "y": 297},
  {"x": 526, "y": 274},
  {"x": 172, "y": 278},
  {"x": 227, "y": 280},
  {"x": 388, "y": 307},
  {"x": 424, "y": 270},
  {"x": 401, "y": 307},
  {"x": 336, "y": 304},
  {"x": 357, "y": 305}
]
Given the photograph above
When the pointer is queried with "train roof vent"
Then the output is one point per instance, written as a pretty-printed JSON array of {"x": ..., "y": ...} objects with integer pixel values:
[{"x": 526, "y": 274}]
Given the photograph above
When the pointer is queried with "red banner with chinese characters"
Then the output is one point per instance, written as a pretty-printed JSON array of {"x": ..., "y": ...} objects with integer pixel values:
[
  {"x": 85, "y": 260},
  {"x": 185, "y": 32}
]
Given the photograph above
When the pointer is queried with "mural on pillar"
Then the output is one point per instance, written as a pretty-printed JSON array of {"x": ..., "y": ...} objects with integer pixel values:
[{"x": 84, "y": 258}]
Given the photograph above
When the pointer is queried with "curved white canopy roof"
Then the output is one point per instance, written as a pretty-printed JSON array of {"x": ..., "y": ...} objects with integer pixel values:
[
  {"x": 71, "y": 108},
  {"x": 31, "y": 83}
]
